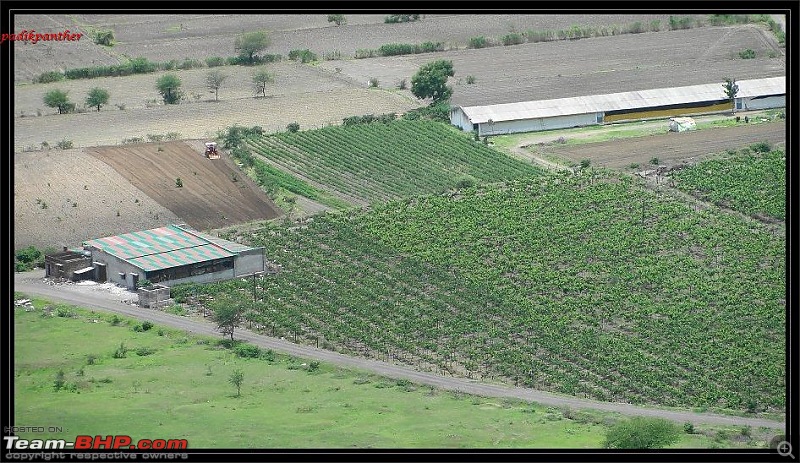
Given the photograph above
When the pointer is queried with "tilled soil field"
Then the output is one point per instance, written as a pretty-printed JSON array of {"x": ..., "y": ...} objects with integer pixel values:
[
  {"x": 214, "y": 193},
  {"x": 670, "y": 148},
  {"x": 62, "y": 198},
  {"x": 560, "y": 69},
  {"x": 167, "y": 37},
  {"x": 203, "y": 120}
]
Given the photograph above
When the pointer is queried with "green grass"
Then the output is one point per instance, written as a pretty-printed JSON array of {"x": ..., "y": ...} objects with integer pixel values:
[
  {"x": 181, "y": 391},
  {"x": 379, "y": 162},
  {"x": 590, "y": 286},
  {"x": 750, "y": 182}
]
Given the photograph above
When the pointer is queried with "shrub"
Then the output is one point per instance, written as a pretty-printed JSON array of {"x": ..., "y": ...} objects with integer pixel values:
[
  {"x": 636, "y": 28},
  {"x": 761, "y": 147},
  {"x": 91, "y": 359},
  {"x": 103, "y": 37},
  {"x": 304, "y": 56},
  {"x": 214, "y": 61},
  {"x": 190, "y": 63},
  {"x": 293, "y": 127},
  {"x": 400, "y": 18},
  {"x": 373, "y": 82},
  {"x": 121, "y": 351},
  {"x": 178, "y": 183},
  {"x": 144, "y": 351},
  {"x": 365, "y": 53},
  {"x": 50, "y": 76},
  {"x": 60, "y": 381},
  {"x": 654, "y": 161},
  {"x": 247, "y": 350},
  {"x": 392, "y": 49},
  {"x": 268, "y": 355},
  {"x": 64, "y": 144},
  {"x": 313, "y": 366},
  {"x": 747, "y": 54},
  {"x": 402, "y": 85},
  {"x": 146, "y": 325},
  {"x": 688, "y": 428},
  {"x": 585, "y": 163},
  {"x": 478, "y": 42},
  {"x": 655, "y": 25},
  {"x": 465, "y": 181},
  {"x": 115, "y": 320},
  {"x": 641, "y": 433},
  {"x": 470, "y": 79},
  {"x": 338, "y": 19},
  {"x": 513, "y": 38}
]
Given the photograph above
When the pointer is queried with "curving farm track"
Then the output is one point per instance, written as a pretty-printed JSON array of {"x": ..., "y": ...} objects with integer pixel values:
[{"x": 30, "y": 283}]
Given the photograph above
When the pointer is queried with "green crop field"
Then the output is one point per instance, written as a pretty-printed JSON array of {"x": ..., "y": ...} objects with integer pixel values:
[
  {"x": 379, "y": 161},
  {"x": 587, "y": 285},
  {"x": 752, "y": 181}
]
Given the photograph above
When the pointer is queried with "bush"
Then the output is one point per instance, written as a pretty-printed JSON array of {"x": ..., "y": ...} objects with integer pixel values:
[
  {"x": 115, "y": 320},
  {"x": 247, "y": 350},
  {"x": 654, "y": 161},
  {"x": 470, "y": 79},
  {"x": 64, "y": 144},
  {"x": 60, "y": 381},
  {"x": 144, "y": 351},
  {"x": 402, "y": 85},
  {"x": 365, "y": 53},
  {"x": 304, "y": 56},
  {"x": 400, "y": 18},
  {"x": 761, "y": 147},
  {"x": 268, "y": 355},
  {"x": 478, "y": 42},
  {"x": 103, "y": 37},
  {"x": 688, "y": 428},
  {"x": 293, "y": 127},
  {"x": 146, "y": 325},
  {"x": 214, "y": 61},
  {"x": 50, "y": 76},
  {"x": 585, "y": 163},
  {"x": 178, "y": 183},
  {"x": 465, "y": 181},
  {"x": 121, "y": 351},
  {"x": 513, "y": 38},
  {"x": 641, "y": 433},
  {"x": 747, "y": 54}
]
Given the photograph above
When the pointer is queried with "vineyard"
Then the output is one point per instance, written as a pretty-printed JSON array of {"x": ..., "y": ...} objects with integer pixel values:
[
  {"x": 378, "y": 162},
  {"x": 752, "y": 181},
  {"x": 586, "y": 285}
]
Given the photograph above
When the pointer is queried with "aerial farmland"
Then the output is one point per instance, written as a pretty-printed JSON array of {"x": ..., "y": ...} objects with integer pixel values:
[{"x": 414, "y": 268}]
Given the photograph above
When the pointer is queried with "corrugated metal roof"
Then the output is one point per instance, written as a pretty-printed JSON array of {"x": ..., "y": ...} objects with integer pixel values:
[
  {"x": 621, "y": 101},
  {"x": 166, "y": 247}
]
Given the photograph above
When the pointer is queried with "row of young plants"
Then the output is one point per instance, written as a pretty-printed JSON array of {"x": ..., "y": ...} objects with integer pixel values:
[
  {"x": 381, "y": 161},
  {"x": 751, "y": 181},
  {"x": 585, "y": 285}
]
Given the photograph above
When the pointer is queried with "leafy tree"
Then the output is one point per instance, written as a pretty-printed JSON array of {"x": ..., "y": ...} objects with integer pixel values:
[
  {"x": 339, "y": 19},
  {"x": 237, "y": 378},
  {"x": 169, "y": 86},
  {"x": 431, "y": 81},
  {"x": 97, "y": 97},
  {"x": 642, "y": 433},
  {"x": 260, "y": 79},
  {"x": 58, "y": 99},
  {"x": 250, "y": 43},
  {"x": 227, "y": 314},
  {"x": 731, "y": 89},
  {"x": 214, "y": 80}
]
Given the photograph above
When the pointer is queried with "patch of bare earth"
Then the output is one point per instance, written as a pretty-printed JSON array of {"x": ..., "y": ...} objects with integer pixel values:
[
  {"x": 670, "y": 148},
  {"x": 213, "y": 193},
  {"x": 62, "y": 198}
]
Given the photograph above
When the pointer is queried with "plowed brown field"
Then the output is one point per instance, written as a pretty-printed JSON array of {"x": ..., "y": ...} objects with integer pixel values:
[
  {"x": 670, "y": 148},
  {"x": 214, "y": 193}
]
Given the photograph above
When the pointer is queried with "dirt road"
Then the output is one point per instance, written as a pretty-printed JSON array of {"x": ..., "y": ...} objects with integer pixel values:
[{"x": 30, "y": 283}]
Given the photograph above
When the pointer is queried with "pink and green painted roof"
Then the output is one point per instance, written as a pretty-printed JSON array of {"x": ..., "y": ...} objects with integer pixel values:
[{"x": 165, "y": 247}]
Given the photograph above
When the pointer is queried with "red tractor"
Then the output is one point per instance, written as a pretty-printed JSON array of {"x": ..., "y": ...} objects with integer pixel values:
[{"x": 211, "y": 150}]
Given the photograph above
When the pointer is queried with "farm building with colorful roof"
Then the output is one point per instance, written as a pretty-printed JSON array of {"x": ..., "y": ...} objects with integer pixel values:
[
  {"x": 530, "y": 116},
  {"x": 171, "y": 255}
]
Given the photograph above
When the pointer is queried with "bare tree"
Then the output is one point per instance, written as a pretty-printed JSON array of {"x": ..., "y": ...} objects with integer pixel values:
[{"x": 214, "y": 80}]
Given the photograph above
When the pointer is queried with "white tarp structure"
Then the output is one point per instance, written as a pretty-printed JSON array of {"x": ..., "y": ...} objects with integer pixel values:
[{"x": 681, "y": 124}]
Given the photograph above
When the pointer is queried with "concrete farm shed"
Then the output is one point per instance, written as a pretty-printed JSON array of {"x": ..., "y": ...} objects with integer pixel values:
[
  {"x": 170, "y": 255},
  {"x": 530, "y": 116}
]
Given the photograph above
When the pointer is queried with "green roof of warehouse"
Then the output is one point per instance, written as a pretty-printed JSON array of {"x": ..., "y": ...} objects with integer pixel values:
[{"x": 166, "y": 247}]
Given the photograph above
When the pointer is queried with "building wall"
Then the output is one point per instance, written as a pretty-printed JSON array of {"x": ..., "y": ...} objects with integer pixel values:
[
  {"x": 669, "y": 112},
  {"x": 248, "y": 262},
  {"x": 533, "y": 125},
  {"x": 459, "y": 119},
  {"x": 204, "y": 278},
  {"x": 64, "y": 268},
  {"x": 750, "y": 104},
  {"x": 115, "y": 266}
]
